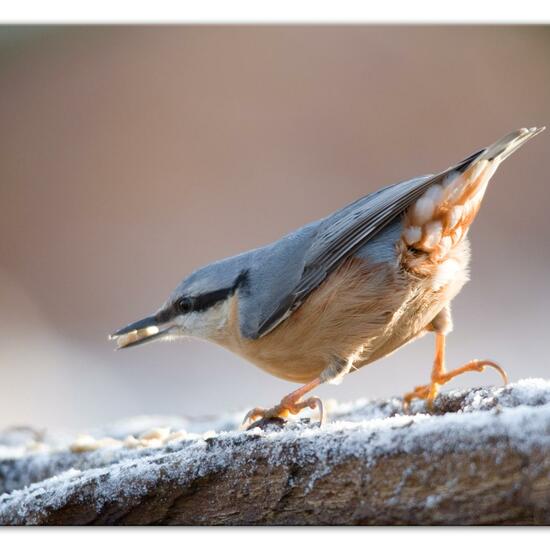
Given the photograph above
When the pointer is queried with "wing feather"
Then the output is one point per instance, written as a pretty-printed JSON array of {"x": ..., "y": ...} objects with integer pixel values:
[{"x": 344, "y": 232}]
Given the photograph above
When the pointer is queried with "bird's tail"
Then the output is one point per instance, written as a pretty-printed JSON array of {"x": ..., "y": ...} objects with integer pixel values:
[
  {"x": 504, "y": 147},
  {"x": 440, "y": 219}
]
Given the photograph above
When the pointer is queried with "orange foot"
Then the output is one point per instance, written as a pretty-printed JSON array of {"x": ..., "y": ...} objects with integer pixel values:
[
  {"x": 290, "y": 404},
  {"x": 430, "y": 391}
]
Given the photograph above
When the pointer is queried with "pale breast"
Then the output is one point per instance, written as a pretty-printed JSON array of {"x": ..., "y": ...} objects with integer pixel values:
[
  {"x": 369, "y": 307},
  {"x": 349, "y": 310}
]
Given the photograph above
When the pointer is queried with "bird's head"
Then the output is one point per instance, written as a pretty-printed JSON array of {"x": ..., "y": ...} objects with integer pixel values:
[{"x": 198, "y": 307}]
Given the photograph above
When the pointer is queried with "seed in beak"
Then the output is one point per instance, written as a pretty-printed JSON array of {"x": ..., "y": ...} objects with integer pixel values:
[{"x": 135, "y": 336}]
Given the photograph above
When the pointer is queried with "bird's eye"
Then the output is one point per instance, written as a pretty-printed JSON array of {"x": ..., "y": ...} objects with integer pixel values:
[{"x": 184, "y": 305}]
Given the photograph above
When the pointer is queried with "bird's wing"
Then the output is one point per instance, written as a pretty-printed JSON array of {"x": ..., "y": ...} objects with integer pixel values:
[{"x": 346, "y": 231}]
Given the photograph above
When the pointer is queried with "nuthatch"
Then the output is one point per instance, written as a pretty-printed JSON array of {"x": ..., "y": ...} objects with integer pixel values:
[{"x": 345, "y": 290}]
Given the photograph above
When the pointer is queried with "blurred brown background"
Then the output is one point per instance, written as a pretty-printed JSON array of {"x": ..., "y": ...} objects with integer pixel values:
[{"x": 130, "y": 156}]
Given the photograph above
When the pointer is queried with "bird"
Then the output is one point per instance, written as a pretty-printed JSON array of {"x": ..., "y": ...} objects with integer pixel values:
[{"x": 343, "y": 291}]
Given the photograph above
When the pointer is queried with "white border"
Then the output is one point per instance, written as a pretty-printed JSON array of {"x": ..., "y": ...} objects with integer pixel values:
[
  {"x": 250, "y": 538},
  {"x": 275, "y": 11},
  {"x": 250, "y": 12}
]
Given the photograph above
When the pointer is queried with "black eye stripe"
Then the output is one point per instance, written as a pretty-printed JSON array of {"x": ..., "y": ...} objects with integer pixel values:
[
  {"x": 208, "y": 299},
  {"x": 205, "y": 301}
]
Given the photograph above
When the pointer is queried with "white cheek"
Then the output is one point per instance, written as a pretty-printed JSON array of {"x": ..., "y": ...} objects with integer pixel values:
[{"x": 204, "y": 324}]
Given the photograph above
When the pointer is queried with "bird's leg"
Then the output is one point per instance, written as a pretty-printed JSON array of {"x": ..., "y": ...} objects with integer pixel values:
[
  {"x": 290, "y": 404},
  {"x": 440, "y": 376},
  {"x": 429, "y": 391}
]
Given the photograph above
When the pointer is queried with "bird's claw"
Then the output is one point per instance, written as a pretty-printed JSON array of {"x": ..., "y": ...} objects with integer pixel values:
[
  {"x": 419, "y": 392},
  {"x": 284, "y": 409},
  {"x": 316, "y": 403},
  {"x": 429, "y": 391}
]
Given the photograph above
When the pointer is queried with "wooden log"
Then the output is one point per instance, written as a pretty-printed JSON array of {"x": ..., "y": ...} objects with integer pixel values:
[{"x": 480, "y": 458}]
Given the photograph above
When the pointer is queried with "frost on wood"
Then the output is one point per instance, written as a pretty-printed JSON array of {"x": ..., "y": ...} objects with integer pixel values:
[{"x": 481, "y": 457}]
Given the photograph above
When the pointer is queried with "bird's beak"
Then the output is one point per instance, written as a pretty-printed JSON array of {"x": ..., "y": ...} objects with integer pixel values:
[{"x": 140, "y": 332}]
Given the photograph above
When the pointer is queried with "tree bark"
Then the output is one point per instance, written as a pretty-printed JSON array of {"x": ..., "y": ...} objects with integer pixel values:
[{"x": 480, "y": 458}]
